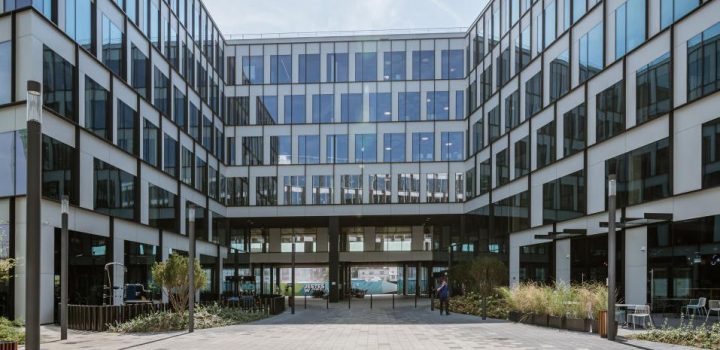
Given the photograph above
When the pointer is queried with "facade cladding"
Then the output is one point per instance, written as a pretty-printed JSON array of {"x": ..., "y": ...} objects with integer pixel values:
[{"x": 403, "y": 150}]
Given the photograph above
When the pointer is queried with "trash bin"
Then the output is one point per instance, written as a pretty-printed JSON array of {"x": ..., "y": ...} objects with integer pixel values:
[{"x": 602, "y": 324}]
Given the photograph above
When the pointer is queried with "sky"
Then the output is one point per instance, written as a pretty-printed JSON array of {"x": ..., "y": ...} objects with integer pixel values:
[{"x": 291, "y": 16}]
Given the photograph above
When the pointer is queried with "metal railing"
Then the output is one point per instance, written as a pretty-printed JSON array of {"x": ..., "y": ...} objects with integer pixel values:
[{"x": 335, "y": 33}]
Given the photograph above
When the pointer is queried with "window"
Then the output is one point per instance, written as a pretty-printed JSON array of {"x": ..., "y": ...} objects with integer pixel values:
[
  {"x": 559, "y": 76},
  {"x": 485, "y": 170},
  {"x": 502, "y": 164},
  {"x": 237, "y": 191},
  {"x": 179, "y": 107},
  {"x": 365, "y": 151},
  {"x": 258, "y": 240},
  {"x": 280, "y": 150},
  {"x": 393, "y": 239},
  {"x": 161, "y": 209},
  {"x": 408, "y": 106},
  {"x": 112, "y": 46},
  {"x": 546, "y": 144},
  {"x": 162, "y": 93},
  {"x": 351, "y": 107},
  {"x": 629, "y": 26},
  {"x": 550, "y": 23},
  {"x": 591, "y": 53},
  {"x": 322, "y": 189},
  {"x": 252, "y": 148},
  {"x": 126, "y": 127},
  {"x": 351, "y": 187},
  {"x": 423, "y": 147},
  {"x": 170, "y": 149},
  {"x": 323, "y": 108},
  {"x": 643, "y": 174},
  {"x": 470, "y": 186},
  {"x": 522, "y": 49},
  {"x": 305, "y": 240},
  {"x": 207, "y": 133},
  {"x": 512, "y": 110},
  {"x": 459, "y": 187},
  {"x": 365, "y": 66},
  {"x": 578, "y": 8},
  {"x": 564, "y": 198},
  {"x": 58, "y": 90},
  {"x": 703, "y": 70},
  {"x": 437, "y": 188},
  {"x": 294, "y": 190},
  {"x": 154, "y": 24},
  {"x": 653, "y": 89},
  {"x": 380, "y": 188},
  {"x": 459, "y": 105},
  {"x": 266, "y": 191},
  {"x": 267, "y": 110},
  {"x": 252, "y": 70},
  {"x": 151, "y": 142},
  {"x": 309, "y": 68},
  {"x": 452, "y": 64},
  {"x": 438, "y": 105},
  {"x": 423, "y": 65},
  {"x": 574, "y": 130},
  {"x": 380, "y": 106},
  {"x": 394, "y": 65},
  {"x": 495, "y": 34},
  {"x": 294, "y": 109},
  {"x": 78, "y": 22},
  {"x": 238, "y": 110},
  {"x": 478, "y": 136},
  {"x": 308, "y": 149},
  {"x": 673, "y": 10},
  {"x": 538, "y": 34},
  {"x": 394, "y": 147},
  {"x": 114, "y": 191},
  {"x": 610, "y": 107},
  {"x": 194, "y": 123},
  {"x": 355, "y": 238},
  {"x": 58, "y": 164},
  {"x": 503, "y": 67},
  {"x": 452, "y": 146},
  {"x": 408, "y": 188},
  {"x": 186, "y": 170},
  {"x": 533, "y": 95},
  {"x": 512, "y": 214},
  {"x": 139, "y": 78},
  {"x": 711, "y": 154},
  {"x": 336, "y": 149},
  {"x": 337, "y": 67},
  {"x": 97, "y": 108},
  {"x": 494, "y": 123},
  {"x": 231, "y": 75},
  {"x": 280, "y": 69},
  {"x": 522, "y": 157}
]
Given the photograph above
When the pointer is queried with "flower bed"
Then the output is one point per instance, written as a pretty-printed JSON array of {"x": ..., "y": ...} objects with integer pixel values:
[{"x": 686, "y": 335}]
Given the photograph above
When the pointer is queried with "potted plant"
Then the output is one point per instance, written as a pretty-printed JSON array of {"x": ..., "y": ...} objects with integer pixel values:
[
  {"x": 580, "y": 309},
  {"x": 558, "y": 301}
]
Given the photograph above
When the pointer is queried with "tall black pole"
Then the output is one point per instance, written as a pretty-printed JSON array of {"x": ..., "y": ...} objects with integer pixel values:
[
  {"x": 292, "y": 276},
  {"x": 64, "y": 246},
  {"x": 191, "y": 268},
  {"x": 611, "y": 257},
  {"x": 32, "y": 254}
]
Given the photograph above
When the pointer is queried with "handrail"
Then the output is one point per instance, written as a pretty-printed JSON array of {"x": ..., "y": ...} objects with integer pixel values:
[{"x": 396, "y": 31}]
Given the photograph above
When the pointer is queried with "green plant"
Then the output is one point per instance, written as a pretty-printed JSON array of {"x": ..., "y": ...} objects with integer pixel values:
[
  {"x": 6, "y": 266},
  {"x": 205, "y": 317},
  {"x": 11, "y": 331},
  {"x": 685, "y": 334},
  {"x": 172, "y": 276}
]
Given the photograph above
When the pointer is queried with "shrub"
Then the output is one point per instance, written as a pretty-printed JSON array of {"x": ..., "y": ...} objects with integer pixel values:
[
  {"x": 172, "y": 276},
  {"x": 205, "y": 317},
  {"x": 686, "y": 334},
  {"x": 11, "y": 331}
]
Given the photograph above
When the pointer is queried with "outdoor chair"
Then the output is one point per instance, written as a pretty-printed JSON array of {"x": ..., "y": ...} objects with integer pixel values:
[
  {"x": 713, "y": 306},
  {"x": 699, "y": 306},
  {"x": 642, "y": 312}
]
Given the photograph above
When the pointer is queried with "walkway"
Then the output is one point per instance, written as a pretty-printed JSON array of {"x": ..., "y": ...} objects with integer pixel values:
[{"x": 359, "y": 327}]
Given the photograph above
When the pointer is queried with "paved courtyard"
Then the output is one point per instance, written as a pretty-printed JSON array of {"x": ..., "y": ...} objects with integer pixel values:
[{"x": 359, "y": 327}]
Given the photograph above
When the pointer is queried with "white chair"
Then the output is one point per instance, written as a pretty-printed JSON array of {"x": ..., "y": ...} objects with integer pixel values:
[
  {"x": 642, "y": 312},
  {"x": 713, "y": 305},
  {"x": 699, "y": 306}
]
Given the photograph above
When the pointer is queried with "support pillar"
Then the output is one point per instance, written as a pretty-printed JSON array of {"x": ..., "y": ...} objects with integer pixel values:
[{"x": 334, "y": 258}]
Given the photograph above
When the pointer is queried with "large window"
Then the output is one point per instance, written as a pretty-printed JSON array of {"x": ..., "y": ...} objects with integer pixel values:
[
  {"x": 252, "y": 69},
  {"x": 711, "y": 154},
  {"x": 112, "y": 47},
  {"x": 610, "y": 111},
  {"x": 559, "y": 76},
  {"x": 238, "y": 190},
  {"x": 423, "y": 147},
  {"x": 186, "y": 169},
  {"x": 294, "y": 109},
  {"x": 365, "y": 66},
  {"x": 408, "y": 106},
  {"x": 162, "y": 92},
  {"x": 629, "y": 26},
  {"x": 564, "y": 198},
  {"x": 574, "y": 130},
  {"x": 280, "y": 149},
  {"x": 478, "y": 136},
  {"x": 653, "y": 89},
  {"x": 533, "y": 95},
  {"x": 322, "y": 189},
  {"x": 512, "y": 110},
  {"x": 323, "y": 108},
  {"x": 354, "y": 237},
  {"x": 78, "y": 22},
  {"x": 280, "y": 69},
  {"x": 451, "y": 145},
  {"x": 194, "y": 122},
  {"x": 57, "y": 84},
  {"x": 365, "y": 148},
  {"x": 380, "y": 188},
  {"x": 673, "y": 10},
  {"x": 485, "y": 171},
  {"x": 179, "y": 107},
  {"x": 522, "y": 49},
  {"x": 452, "y": 64},
  {"x": 393, "y": 239},
  {"x": 494, "y": 124},
  {"x": 266, "y": 191},
  {"x": 408, "y": 188},
  {"x": 97, "y": 104},
  {"x": 438, "y": 105},
  {"x": 336, "y": 150},
  {"x": 252, "y": 150},
  {"x": 267, "y": 110},
  {"x": 643, "y": 174},
  {"x": 114, "y": 191},
  {"x": 351, "y": 187},
  {"x": 394, "y": 147},
  {"x": 503, "y": 68},
  {"x": 423, "y": 65},
  {"x": 591, "y": 53},
  {"x": 351, "y": 107},
  {"x": 703, "y": 68},
  {"x": 394, "y": 65},
  {"x": 308, "y": 149},
  {"x": 438, "y": 188},
  {"x": 550, "y": 23},
  {"x": 294, "y": 189},
  {"x": 139, "y": 72},
  {"x": 512, "y": 213},
  {"x": 126, "y": 126},
  {"x": 522, "y": 157},
  {"x": 58, "y": 164},
  {"x": 162, "y": 209},
  {"x": 380, "y": 106},
  {"x": 502, "y": 165},
  {"x": 151, "y": 142},
  {"x": 337, "y": 67},
  {"x": 546, "y": 144},
  {"x": 170, "y": 149}
]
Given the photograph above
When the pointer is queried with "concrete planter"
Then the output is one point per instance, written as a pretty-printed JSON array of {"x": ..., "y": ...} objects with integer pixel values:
[
  {"x": 577, "y": 324},
  {"x": 514, "y": 316},
  {"x": 540, "y": 320},
  {"x": 556, "y": 322}
]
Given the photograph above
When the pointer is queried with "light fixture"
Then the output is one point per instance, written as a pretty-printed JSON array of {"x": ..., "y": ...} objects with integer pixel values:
[
  {"x": 388, "y": 148},
  {"x": 34, "y": 101},
  {"x": 643, "y": 249},
  {"x": 612, "y": 190},
  {"x": 65, "y": 205},
  {"x": 424, "y": 138},
  {"x": 191, "y": 212}
]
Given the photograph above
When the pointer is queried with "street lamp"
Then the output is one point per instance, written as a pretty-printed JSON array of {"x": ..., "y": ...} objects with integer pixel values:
[
  {"x": 191, "y": 268},
  {"x": 292, "y": 276},
  {"x": 612, "y": 191},
  {"x": 32, "y": 254},
  {"x": 64, "y": 246}
]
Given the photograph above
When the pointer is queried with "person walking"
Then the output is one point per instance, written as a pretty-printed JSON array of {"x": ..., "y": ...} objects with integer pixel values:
[{"x": 443, "y": 293}]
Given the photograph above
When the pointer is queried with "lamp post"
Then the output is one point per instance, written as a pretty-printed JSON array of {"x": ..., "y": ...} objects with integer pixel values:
[
  {"x": 292, "y": 276},
  {"x": 64, "y": 246},
  {"x": 32, "y": 254},
  {"x": 612, "y": 191},
  {"x": 191, "y": 268}
]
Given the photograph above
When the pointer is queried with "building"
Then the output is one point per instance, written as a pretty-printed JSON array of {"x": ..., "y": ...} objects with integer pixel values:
[{"x": 407, "y": 150}]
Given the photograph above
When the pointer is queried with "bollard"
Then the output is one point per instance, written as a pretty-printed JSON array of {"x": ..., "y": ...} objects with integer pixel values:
[
  {"x": 349, "y": 297},
  {"x": 327, "y": 302},
  {"x": 416, "y": 300},
  {"x": 306, "y": 300},
  {"x": 432, "y": 306},
  {"x": 371, "y": 300},
  {"x": 393, "y": 297}
]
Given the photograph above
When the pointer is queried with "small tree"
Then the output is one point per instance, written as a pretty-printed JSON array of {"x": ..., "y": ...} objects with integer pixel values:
[
  {"x": 6, "y": 265},
  {"x": 172, "y": 276},
  {"x": 486, "y": 274}
]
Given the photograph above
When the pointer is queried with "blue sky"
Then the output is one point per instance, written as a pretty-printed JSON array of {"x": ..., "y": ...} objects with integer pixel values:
[{"x": 289, "y": 16}]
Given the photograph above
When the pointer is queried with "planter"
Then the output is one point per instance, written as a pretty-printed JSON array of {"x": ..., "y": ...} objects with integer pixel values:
[
  {"x": 514, "y": 316},
  {"x": 526, "y": 318},
  {"x": 556, "y": 322},
  {"x": 594, "y": 326},
  {"x": 8, "y": 345},
  {"x": 577, "y": 324},
  {"x": 540, "y": 320}
]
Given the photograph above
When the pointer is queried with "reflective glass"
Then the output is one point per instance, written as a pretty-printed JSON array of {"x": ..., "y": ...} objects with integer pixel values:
[
  {"x": 380, "y": 106},
  {"x": 438, "y": 105},
  {"x": 308, "y": 149},
  {"x": 546, "y": 144},
  {"x": 365, "y": 66},
  {"x": 267, "y": 110},
  {"x": 351, "y": 107},
  {"x": 139, "y": 73},
  {"x": 280, "y": 150},
  {"x": 58, "y": 90},
  {"x": 452, "y": 146},
  {"x": 423, "y": 147},
  {"x": 550, "y": 23},
  {"x": 114, "y": 191},
  {"x": 423, "y": 65},
  {"x": 365, "y": 148},
  {"x": 453, "y": 66},
  {"x": 591, "y": 53},
  {"x": 337, "y": 67},
  {"x": 336, "y": 149},
  {"x": 323, "y": 108},
  {"x": 170, "y": 149},
  {"x": 126, "y": 127},
  {"x": 309, "y": 68},
  {"x": 96, "y": 109},
  {"x": 151, "y": 142},
  {"x": 253, "y": 70},
  {"x": 280, "y": 69},
  {"x": 394, "y": 147},
  {"x": 294, "y": 109},
  {"x": 58, "y": 167},
  {"x": 5, "y": 70},
  {"x": 394, "y": 65},
  {"x": 408, "y": 106}
]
